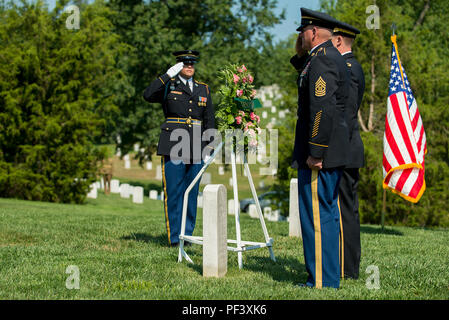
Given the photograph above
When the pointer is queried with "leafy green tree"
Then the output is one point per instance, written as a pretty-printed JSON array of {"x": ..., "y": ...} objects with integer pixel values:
[{"x": 57, "y": 89}]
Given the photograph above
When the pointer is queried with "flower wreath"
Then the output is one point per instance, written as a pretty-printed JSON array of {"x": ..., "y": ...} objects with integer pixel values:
[{"x": 236, "y": 108}]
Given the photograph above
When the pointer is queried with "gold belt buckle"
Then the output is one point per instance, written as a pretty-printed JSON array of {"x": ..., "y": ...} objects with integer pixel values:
[{"x": 189, "y": 120}]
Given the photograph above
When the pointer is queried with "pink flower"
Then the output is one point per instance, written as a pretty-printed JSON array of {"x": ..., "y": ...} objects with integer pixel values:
[
  {"x": 243, "y": 67},
  {"x": 242, "y": 113},
  {"x": 239, "y": 70},
  {"x": 248, "y": 124},
  {"x": 236, "y": 78},
  {"x": 244, "y": 80},
  {"x": 253, "y": 143},
  {"x": 239, "y": 93},
  {"x": 258, "y": 119},
  {"x": 252, "y": 115},
  {"x": 238, "y": 120},
  {"x": 253, "y": 94},
  {"x": 250, "y": 78}
]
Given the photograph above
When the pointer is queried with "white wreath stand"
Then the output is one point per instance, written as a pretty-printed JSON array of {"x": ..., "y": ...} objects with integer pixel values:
[{"x": 241, "y": 246}]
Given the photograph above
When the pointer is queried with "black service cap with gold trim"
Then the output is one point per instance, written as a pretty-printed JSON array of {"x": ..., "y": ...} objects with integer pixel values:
[
  {"x": 316, "y": 18},
  {"x": 187, "y": 56},
  {"x": 345, "y": 29}
]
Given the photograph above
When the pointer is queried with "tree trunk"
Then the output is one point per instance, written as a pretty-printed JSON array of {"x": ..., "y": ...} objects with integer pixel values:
[
  {"x": 373, "y": 88},
  {"x": 422, "y": 15},
  {"x": 362, "y": 124}
]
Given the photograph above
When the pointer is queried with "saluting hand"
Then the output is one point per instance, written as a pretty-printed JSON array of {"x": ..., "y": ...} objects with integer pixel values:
[
  {"x": 173, "y": 71},
  {"x": 299, "y": 49}
]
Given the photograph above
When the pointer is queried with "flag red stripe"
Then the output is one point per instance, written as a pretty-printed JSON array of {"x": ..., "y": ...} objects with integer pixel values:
[
  {"x": 403, "y": 179},
  {"x": 402, "y": 127},
  {"x": 418, "y": 185},
  {"x": 415, "y": 120},
  {"x": 421, "y": 136},
  {"x": 392, "y": 142}
]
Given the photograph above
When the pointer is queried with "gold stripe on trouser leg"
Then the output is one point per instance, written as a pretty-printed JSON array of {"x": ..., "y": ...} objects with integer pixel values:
[
  {"x": 167, "y": 222},
  {"x": 342, "y": 244},
  {"x": 317, "y": 228}
]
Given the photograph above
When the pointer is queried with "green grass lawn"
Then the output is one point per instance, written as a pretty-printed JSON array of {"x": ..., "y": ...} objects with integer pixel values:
[{"x": 120, "y": 249}]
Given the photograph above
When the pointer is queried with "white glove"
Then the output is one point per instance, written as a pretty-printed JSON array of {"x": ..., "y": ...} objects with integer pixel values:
[{"x": 173, "y": 71}]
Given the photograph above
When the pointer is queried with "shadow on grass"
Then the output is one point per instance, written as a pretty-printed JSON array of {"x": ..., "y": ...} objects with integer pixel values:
[
  {"x": 283, "y": 270},
  {"x": 160, "y": 240},
  {"x": 378, "y": 230}
]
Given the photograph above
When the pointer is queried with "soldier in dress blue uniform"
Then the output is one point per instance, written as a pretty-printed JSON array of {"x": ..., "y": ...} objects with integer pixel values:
[
  {"x": 189, "y": 112},
  {"x": 321, "y": 144},
  {"x": 343, "y": 39}
]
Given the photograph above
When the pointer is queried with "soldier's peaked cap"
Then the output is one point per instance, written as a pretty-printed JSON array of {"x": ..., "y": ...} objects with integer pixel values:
[
  {"x": 316, "y": 18},
  {"x": 345, "y": 29},
  {"x": 188, "y": 56}
]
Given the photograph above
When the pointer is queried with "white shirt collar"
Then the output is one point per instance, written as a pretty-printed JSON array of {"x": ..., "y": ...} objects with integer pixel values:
[
  {"x": 184, "y": 80},
  {"x": 315, "y": 47},
  {"x": 347, "y": 52}
]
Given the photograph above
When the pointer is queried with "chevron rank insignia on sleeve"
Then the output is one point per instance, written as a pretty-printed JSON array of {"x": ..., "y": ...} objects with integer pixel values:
[{"x": 320, "y": 87}]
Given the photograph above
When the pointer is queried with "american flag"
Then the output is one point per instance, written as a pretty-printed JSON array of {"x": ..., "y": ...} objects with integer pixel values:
[{"x": 404, "y": 138}]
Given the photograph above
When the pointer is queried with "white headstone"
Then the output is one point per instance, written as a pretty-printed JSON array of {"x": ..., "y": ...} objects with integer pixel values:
[
  {"x": 127, "y": 164},
  {"x": 126, "y": 157},
  {"x": 136, "y": 147},
  {"x": 115, "y": 186},
  {"x": 273, "y": 109},
  {"x": 159, "y": 172},
  {"x": 221, "y": 170},
  {"x": 281, "y": 114},
  {"x": 153, "y": 194},
  {"x": 252, "y": 211},
  {"x": 162, "y": 195},
  {"x": 93, "y": 191},
  {"x": 206, "y": 178},
  {"x": 230, "y": 181},
  {"x": 264, "y": 115},
  {"x": 102, "y": 183},
  {"x": 261, "y": 184},
  {"x": 215, "y": 253},
  {"x": 231, "y": 209},
  {"x": 124, "y": 190},
  {"x": 149, "y": 165},
  {"x": 138, "y": 194},
  {"x": 274, "y": 216},
  {"x": 267, "y": 212},
  {"x": 199, "y": 201},
  {"x": 294, "y": 224},
  {"x": 118, "y": 153}
]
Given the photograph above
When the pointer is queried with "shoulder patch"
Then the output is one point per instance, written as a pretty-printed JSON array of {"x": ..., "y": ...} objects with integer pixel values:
[
  {"x": 320, "y": 87},
  {"x": 349, "y": 65},
  {"x": 204, "y": 84}
]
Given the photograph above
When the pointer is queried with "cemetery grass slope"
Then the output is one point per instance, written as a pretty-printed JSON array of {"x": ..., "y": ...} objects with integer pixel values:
[{"x": 121, "y": 252}]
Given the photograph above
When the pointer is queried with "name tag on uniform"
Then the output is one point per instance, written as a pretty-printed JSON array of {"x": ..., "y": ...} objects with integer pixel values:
[
  {"x": 176, "y": 92},
  {"x": 202, "y": 101}
]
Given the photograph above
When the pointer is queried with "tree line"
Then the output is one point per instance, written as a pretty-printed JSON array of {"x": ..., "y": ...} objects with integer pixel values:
[{"x": 65, "y": 92}]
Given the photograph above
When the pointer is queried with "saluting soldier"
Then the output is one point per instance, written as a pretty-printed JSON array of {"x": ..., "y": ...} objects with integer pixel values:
[
  {"x": 343, "y": 39},
  {"x": 189, "y": 112},
  {"x": 321, "y": 145}
]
